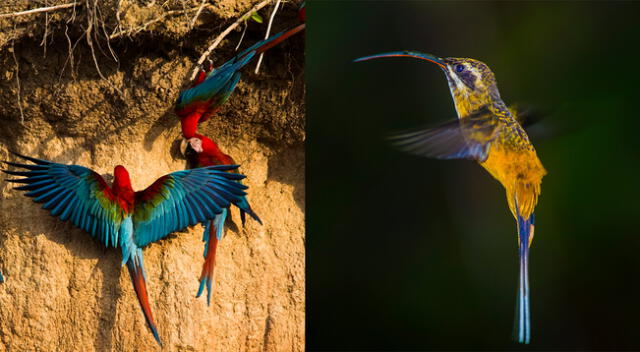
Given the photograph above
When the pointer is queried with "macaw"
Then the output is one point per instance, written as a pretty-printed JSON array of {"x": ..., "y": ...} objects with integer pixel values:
[
  {"x": 201, "y": 151},
  {"x": 1, "y": 278},
  {"x": 302, "y": 12},
  {"x": 489, "y": 132},
  {"x": 212, "y": 89},
  {"x": 119, "y": 217}
]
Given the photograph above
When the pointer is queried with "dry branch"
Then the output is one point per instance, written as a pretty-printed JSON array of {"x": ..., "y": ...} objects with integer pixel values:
[
  {"x": 193, "y": 21},
  {"x": 147, "y": 24},
  {"x": 38, "y": 10},
  {"x": 225, "y": 33},
  {"x": 273, "y": 15}
]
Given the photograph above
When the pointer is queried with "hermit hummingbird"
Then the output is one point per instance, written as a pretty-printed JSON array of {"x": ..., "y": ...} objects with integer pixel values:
[{"x": 488, "y": 131}]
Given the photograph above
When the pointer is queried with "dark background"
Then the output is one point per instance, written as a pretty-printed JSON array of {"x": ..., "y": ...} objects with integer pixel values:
[{"x": 411, "y": 253}]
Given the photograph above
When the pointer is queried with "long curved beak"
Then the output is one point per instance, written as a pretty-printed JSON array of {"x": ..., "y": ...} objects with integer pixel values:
[{"x": 413, "y": 54}]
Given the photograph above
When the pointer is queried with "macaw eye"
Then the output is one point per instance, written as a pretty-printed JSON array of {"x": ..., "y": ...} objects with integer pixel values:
[{"x": 459, "y": 68}]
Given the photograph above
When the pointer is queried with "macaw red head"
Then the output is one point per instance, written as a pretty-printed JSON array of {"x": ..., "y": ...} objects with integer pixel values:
[
  {"x": 121, "y": 178},
  {"x": 196, "y": 144},
  {"x": 207, "y": 150}
]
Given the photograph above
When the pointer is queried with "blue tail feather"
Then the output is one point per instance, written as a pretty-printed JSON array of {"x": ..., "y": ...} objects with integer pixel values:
[
  {"x": 522, "y": 329},
  {"x": 217, "y": 225}
]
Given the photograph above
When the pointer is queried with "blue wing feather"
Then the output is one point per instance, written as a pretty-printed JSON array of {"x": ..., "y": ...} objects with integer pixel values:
[
  {"x": 181, "y": 199},
  {"x": 70, "y": 192},
  {"x": 213, "y": 84}
]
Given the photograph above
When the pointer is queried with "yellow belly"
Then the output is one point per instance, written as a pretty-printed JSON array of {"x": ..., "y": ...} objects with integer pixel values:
[{"x": 520, "y": 172}]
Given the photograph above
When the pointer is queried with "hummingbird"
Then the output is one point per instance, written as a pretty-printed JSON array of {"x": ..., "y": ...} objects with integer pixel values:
[{"x": 488, "y": 131}]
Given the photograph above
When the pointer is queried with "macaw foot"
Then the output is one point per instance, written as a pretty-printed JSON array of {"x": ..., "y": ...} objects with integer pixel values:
[{"x": 207, "y": 66}]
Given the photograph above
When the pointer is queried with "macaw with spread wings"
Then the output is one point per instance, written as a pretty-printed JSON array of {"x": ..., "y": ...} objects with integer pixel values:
[{"x": 119, "y": 217}]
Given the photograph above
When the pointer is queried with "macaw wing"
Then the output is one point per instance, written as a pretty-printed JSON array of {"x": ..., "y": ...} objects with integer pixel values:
[
  {"x": 467, "y": 138},
  {"x": 74, "y": 193},
  {"x": 184, "y": 198},
  {"x": 216, "y": 80},
  {"x": 228, "y": 88}
]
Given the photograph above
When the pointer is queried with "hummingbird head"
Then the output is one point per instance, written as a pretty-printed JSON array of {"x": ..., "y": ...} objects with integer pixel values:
[
  {"x": 471, "y": 82},
  {"x": 469, "y": 76}
]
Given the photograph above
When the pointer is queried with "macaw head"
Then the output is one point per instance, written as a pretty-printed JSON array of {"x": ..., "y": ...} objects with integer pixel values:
[
  {"x": 196, "y": 144},
  {"x": 121, "y": 180},
  {"x": 200, "y": 144}
]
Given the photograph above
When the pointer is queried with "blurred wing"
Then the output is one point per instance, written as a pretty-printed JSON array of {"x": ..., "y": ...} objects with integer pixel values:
[
  {"x": 72, "y": 192},
  {"x": 466, "y": 138},
  {"x": 184, "y": 198},
  {"x": 527, "y": 116}
]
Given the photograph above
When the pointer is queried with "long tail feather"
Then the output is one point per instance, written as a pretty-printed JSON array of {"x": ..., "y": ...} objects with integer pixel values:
[
  {"x": 136, "y": 271},
  {"x": 522, "y": 328},
  {"x": 213, "y": 232},
  {"x": 271, "y": 43}
]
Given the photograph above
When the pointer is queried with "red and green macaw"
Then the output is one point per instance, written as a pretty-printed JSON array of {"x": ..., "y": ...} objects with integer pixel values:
[
  {"x": 119, "y": 217},
  {"x": 302, "y": 12},
  {"x": 212, "y": 89},
  {"x": 202, "y": 152}
]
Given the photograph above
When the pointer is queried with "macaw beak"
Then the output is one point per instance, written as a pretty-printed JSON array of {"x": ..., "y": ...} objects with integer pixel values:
[
  {"x": 413, "y": 54},
  {"x": 183, "y": 146}
]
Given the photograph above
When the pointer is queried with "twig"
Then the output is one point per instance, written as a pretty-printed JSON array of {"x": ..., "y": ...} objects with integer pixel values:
[
  {"x": 15, "y": 59},
  {"x": 104, "y": 32},
  {"x": 273, "y": 15},
  {"x": 70, "y": 58},
  {"x": 38, "y": 10},
  {"x": 224, "y": 34},
  {"x": 118, "y": 9},
  {"x": 145, "y": 25},
  {"x": 242, "y": 36},
  {"x": 88, "y": 35},
  {"x": 46, "y": 32},
  {"x": 193, "y": 21}
]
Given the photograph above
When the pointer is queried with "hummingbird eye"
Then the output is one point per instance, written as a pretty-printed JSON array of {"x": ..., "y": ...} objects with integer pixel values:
[{"x": 459, "y": 68}]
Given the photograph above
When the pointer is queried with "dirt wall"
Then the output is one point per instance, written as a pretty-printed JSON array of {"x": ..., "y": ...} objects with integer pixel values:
[{"x": 63, "y": 289}]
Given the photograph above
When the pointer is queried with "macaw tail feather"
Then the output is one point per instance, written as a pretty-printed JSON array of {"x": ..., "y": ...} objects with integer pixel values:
[
  {"x": 213, "y": 232},
  {"x": 136, "y": 271},
  {"x": 522, "y": 326},
  {"x": 278, "y": 38}
]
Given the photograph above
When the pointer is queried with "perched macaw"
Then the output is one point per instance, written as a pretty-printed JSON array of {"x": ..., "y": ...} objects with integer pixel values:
[
  {"x": 119, "y": 217},
  {"x": 202, "y": 152},
  {"x": 1, "y": 278},
  {"x": 487, "y": 131},
  {"x": 212, "y": 89},
  {"x": 302, "y": 12}
]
